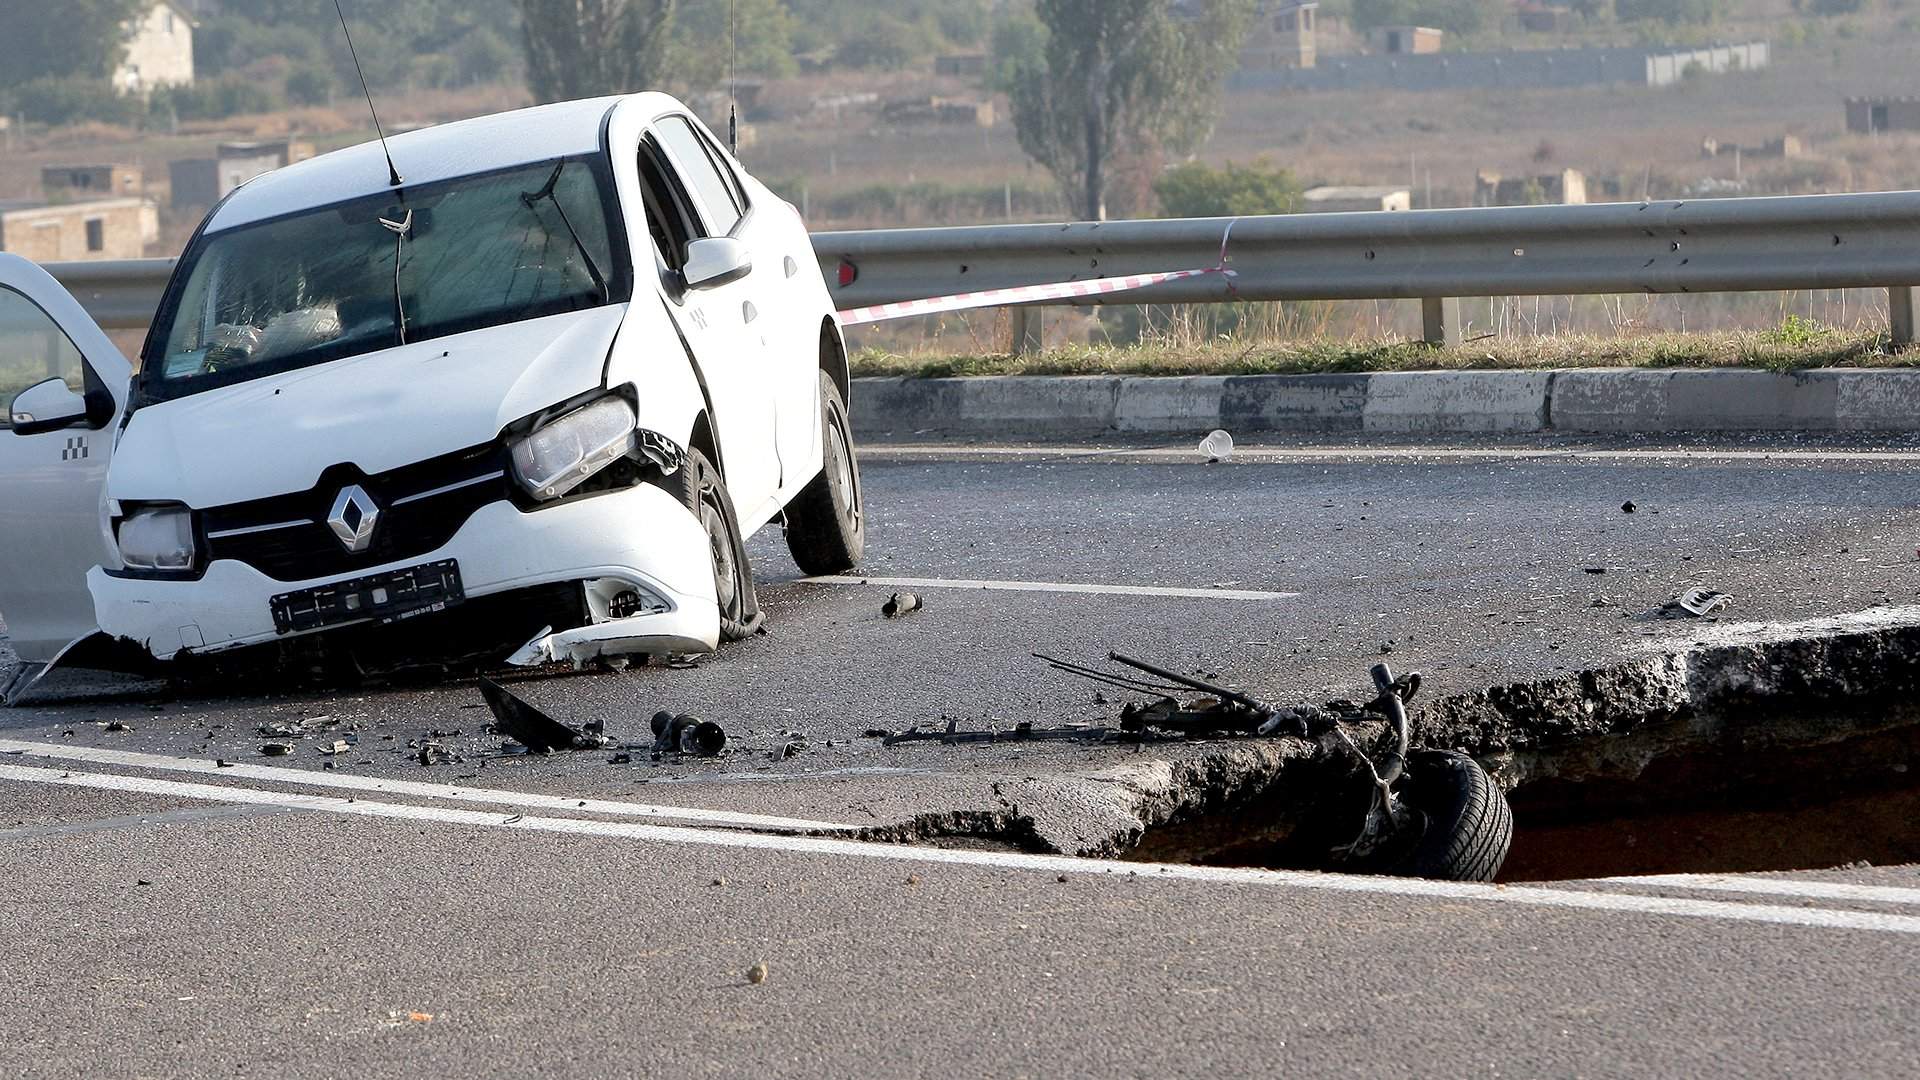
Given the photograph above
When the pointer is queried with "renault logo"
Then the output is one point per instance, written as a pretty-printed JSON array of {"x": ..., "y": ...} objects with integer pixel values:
[{"x": 353, "y": 518}]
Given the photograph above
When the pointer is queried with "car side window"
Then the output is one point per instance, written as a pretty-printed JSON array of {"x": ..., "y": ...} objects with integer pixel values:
[
  {"x": 709, "y": 181},
  {"x": 670, "y": 216},
  {"x": 33, "y": 349}
]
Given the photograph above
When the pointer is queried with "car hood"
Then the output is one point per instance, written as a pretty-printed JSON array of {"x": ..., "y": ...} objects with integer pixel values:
[{"x": 377, "y": 411}]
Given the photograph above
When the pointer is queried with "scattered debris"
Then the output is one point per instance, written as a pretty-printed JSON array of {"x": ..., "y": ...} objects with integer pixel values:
[
  {"x": 117, "y": 725},
  {"x": 336, "y": 747},
  {"x": 901, "y": 603},
  {"x": 757, "y": 974},
  {"x": 687, "y": 735},
  {"x": 532, "y": 728},
  {"x": 1628, "y": 508},
  {"x": 620, "y": 759},
  {"x": 793, "y": 744},
  {"x": 432, "y": 753},
  {"x": 876, "y": 733},
  {"x": 277, "y": 749},
  {"x": 719, "y": 881},
  {"x": 281, "y": 729},
  {"x": 1697, "y": 602},
  {"x": 1217, "y": 447},
  {"x": 222, "y": 763}
]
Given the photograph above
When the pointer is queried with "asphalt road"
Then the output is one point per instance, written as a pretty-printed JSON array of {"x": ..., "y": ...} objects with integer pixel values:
[{"x": 170, "y": 917}]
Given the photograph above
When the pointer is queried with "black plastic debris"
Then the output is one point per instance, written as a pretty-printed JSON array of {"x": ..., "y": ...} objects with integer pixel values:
[
  {"x": 277, "y": 749},
  {"x": 530, "y": 727},
  {"x": 1628, "y": 508},
  {"x": 901, "y": 603},
  {"x": 688, "y": 735}
]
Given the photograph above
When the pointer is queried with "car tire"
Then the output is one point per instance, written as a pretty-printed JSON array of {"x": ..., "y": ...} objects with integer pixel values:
[
  {"x": 700, "y": 488},
  {"x": 1462, "y": 826},
  {"x": 826, "y": 523}
]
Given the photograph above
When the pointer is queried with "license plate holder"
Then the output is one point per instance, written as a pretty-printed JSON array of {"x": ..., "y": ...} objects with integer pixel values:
[{"x": 384, "y": 598}]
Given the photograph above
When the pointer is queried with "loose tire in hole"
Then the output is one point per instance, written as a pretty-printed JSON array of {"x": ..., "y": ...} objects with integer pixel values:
[
  {"x": 826, "y": 525},
  {"x": 1462, "y": 826}
]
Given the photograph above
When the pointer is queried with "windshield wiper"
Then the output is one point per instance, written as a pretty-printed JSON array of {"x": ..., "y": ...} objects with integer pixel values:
[
  {"x": 546, "y": 192},
  {"x": 399, "y": 229}
]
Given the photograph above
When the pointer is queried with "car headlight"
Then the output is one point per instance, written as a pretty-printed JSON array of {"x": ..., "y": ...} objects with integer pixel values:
[
  {"x": 562, "y": 455},
  {"x": 157, "y": 538}
]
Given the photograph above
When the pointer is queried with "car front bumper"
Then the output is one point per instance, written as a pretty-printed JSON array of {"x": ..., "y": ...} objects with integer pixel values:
[{"x": 639, "y": 535}]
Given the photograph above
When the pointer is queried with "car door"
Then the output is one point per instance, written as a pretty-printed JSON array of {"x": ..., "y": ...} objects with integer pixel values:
[
  {"x": 53, "y": 525},
  {"x": 691, "y": 199}
]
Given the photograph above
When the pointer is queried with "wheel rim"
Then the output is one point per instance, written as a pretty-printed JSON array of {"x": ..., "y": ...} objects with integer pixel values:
[
  {"x": 725, "y": 578},
  {"x": 840, "y": 460}
]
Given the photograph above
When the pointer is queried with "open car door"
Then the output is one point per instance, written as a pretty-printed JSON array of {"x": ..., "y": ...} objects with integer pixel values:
[{"x": 63, "y": 385}]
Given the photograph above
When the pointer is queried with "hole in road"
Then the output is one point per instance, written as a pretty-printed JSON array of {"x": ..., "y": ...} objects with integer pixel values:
[{"x": 1787, "y": 756}]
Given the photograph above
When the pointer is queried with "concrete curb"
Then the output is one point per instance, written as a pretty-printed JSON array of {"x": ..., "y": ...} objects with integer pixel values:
[{"x": 1409, "y": 402}]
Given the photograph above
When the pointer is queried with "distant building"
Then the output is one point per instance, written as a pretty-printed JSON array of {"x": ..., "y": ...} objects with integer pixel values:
[
  {"x": 1872, "y": 116},
  {"x": 939, "y": 110},
  {"x": 159, "y": 52},
  {"x": 1408, "y": 40},
  {"x": 63, "y": 232},
  {"x": 1340, "y": 200},
  {"x": 73, "y": 183},
  {"x": 202, "y": 182},
  {"x": 961, "y": 65},
  {"x": 1284, "y": 34},
  {"x": 1517, "y": 69},
  {"x": 1568, "y": 187}
]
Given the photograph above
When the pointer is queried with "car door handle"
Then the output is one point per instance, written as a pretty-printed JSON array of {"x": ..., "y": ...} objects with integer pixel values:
[
  {"x": 792, "y": 267},
  {"x": 748, "y": 312}
]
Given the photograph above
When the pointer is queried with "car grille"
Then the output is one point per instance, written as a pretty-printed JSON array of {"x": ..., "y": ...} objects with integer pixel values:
[{"x": 286, "y": 537}]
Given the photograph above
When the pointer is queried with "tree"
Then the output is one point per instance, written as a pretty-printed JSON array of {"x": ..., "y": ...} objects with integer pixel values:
[
  {"x": 70, "y": 39},
  {"x": 1671, "y": 12},
  {"x": 1194, "y": 190},
  {"x": 711, "y": 36},
  {"x": 584, "y": 48},
  {"x": 1122, "y": 76}
]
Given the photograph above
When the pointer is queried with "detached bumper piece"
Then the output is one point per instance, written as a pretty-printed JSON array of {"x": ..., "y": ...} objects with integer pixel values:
[{"x": 384, "y": 598}]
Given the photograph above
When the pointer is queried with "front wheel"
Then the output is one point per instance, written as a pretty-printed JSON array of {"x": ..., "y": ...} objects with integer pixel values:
[
  {"x": 1459, "y": 827},
  {"x": 698, "y": 486},
  {"x": 826, "y": 525}
]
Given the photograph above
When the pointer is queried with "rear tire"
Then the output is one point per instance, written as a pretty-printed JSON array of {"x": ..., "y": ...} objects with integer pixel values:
[
  {"x": 699, "y": 487},
  {"x": 1462, "y": 826},
  {"x": 826, "y": 523}
]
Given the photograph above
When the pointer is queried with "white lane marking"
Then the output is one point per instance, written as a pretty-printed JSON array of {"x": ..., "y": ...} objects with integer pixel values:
[
  {"x": 1771, "y": 886},
  {"x": 1050, "y": 587},
  {"x": 346, "y": 781},
  {"x": 1378, "y": 453},
  {"x": 1052, "y": 864}
]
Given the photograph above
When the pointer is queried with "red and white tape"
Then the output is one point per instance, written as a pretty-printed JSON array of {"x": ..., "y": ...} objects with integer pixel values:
[{"x": 1028, "y": 294}]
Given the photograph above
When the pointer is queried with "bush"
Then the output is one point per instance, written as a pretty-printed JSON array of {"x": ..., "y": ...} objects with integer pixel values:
[
  {"x": 1671, "y": 12},
  {"x": 310, "y": 84},
  {"x": 1195, "y": 190},
  {"x": 484, "y": 56},
  {"x": 215, "y": 99},
  {"x": 73, "y": 100}
]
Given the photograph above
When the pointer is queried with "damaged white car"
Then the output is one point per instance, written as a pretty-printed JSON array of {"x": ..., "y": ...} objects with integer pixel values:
[{"x": 540, "y": 391}]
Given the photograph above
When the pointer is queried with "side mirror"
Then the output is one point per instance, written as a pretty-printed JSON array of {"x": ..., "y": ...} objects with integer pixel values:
[
  {"x": 47, "y": 406},
  {"x": 715, "y": 261}
]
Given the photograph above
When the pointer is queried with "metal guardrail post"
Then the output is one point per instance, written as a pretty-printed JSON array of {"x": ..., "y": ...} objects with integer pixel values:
[
  {"x": 1029, "y": 326},
  {"x": 1900, "y": 311},
  {"x": 1440, "y": 320}
]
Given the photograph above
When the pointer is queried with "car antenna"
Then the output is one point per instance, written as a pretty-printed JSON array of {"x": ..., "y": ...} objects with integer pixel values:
[
  {"x": 393, "y": 174},
  {"x": 733, "y": 79}
]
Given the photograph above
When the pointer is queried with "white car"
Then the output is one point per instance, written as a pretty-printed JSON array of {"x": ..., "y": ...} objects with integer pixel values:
[{"x": 553, "y": 380}]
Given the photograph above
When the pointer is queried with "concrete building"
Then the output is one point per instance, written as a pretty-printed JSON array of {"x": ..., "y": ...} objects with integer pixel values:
[
  {"x": 1518, "y": 69},
  {"x": 201, "y": 182},
  {"x": 1568, "y": 187},
  {"x": 1340, "y": 200},
  {"x": 104, "y": 229},
  {"x": 1284, "y": 34},
  {"x": 75, "y": 183},
  {"x": 1872, "y": 116},
  {"x": 939, "y": 110},
  {"x": 1408, "y": 40},
  {"x": 160, "y": 51}
]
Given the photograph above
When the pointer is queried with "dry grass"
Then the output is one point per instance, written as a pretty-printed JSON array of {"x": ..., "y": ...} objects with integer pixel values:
[{"x": 1790, "y": 348}]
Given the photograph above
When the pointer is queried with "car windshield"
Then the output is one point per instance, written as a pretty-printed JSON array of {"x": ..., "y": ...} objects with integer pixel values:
[{"x": 374, "y": 273}]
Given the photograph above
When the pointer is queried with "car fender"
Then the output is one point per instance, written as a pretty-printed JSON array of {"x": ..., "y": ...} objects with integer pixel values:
[{"x": 649, "y": 356}]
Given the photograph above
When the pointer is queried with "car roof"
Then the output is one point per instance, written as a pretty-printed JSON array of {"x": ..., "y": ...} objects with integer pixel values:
[{"x": 445, "y": 152}]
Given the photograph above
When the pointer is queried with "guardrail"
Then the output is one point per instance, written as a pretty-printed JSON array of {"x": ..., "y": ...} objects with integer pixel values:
[{"x": 1435, "y": 256}]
